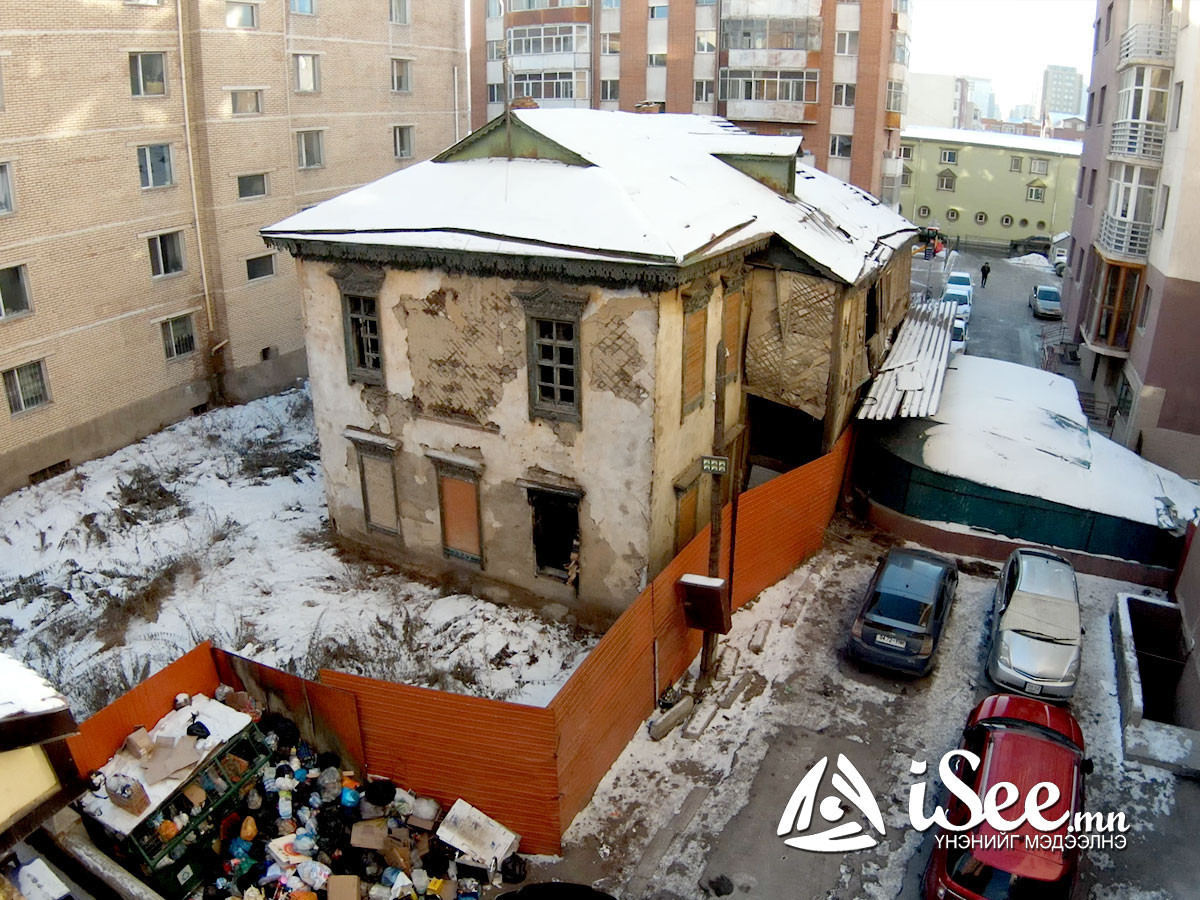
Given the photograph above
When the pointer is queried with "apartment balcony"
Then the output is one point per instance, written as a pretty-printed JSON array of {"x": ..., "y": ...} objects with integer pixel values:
[
  {"x": 1143, "y": 141},
  {"x": 1147, "y": 44},
  {"x": 1123, "y": 238}
]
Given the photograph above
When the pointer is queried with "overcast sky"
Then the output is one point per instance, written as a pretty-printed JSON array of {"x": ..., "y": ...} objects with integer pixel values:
[{"x": 1009, "y": 41}]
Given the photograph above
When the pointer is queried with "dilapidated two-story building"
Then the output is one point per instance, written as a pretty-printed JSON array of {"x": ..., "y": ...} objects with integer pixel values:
[{"x": 512, "y": 347}]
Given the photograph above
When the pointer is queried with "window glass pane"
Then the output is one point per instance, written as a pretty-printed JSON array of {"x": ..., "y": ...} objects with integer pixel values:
[
  {"x": 252, "y": 185},
  {"x": 260, "y": 267},
  {"x": 246, "y": 102},
  {"x": 146, "y": 75},
  {"x": 6, "y": 203},
  {"x": 13, "y": 298},
  {"x": 304, "y": 7},
  {"x": 306, "y": 72},
  {"x": 240, "y": 15}
]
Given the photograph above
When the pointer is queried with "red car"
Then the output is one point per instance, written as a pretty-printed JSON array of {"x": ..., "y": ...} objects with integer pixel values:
[{"x": 1021, "y": 741}]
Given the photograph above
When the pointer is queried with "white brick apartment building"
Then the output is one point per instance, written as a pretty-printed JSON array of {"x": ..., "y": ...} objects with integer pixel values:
[{"x": 143, "y": 143}]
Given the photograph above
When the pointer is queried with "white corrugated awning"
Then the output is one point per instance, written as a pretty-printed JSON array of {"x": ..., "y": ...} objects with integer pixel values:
[{"x": 909, "y": 383}]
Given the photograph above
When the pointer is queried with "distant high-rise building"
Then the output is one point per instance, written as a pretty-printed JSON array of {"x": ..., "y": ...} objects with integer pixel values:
[
  {"x": 1022, "y": 112},
  {"x": 832, "y": 72},
  {"x": 1062, "y": 87}
]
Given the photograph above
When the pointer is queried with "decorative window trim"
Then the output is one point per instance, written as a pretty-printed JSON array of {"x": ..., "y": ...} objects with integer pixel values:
[
  {"x": 358, "y": 280},
  {"x": 464, "y": 469},
  {"x": 555, "y": 302},
  {"x": 380, "y": 447}
]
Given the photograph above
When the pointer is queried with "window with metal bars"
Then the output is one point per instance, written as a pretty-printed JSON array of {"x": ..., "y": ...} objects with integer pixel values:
[
  {"x": 26, "y": 386},
  {"x": 364, "y": 358},
  {"x": 178, "y": 337}
]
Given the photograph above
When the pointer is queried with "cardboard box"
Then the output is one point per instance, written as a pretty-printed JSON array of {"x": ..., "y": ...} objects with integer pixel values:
[
  {"x": 283, "y": 852},
  {"x": 195, "y": 794},
  {"x": 343, "y": 887},
  {"x": 397, "y": 853},
  {"x": 424, "y": 824},
  {"x": 139, "y": 744},
  {"x": 369, "y": 834}
]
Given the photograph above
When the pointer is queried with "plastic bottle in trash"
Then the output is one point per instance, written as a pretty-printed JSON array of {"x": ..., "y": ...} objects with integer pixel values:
[{"x": 420, "y": 880}]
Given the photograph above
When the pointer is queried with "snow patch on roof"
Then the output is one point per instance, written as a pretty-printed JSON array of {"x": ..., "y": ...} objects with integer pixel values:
[
  {"x": 1021, "y": 429},
  {"x": 656, "y": 193},
  {"x": 991, "y": 139},
  {"x": 23, "y": 692}
]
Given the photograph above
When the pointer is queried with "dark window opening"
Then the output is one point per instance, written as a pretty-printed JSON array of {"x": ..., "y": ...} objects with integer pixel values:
[
  {"x": 872, "y": 311},
  {"x": 199, "y": 409},
  {"x": 781, "y": 438},
  {"x": 364, "y": 357},
  {"x": 49, "y": 472},
  {"x": 556, "y": 534}
]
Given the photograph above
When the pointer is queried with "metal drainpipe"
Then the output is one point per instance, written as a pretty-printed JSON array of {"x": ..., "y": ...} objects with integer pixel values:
[{"x": 187, "y": 139}]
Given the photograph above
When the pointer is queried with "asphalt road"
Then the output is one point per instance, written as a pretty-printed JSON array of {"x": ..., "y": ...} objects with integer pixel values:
[{"x": 1002, "y": 326}]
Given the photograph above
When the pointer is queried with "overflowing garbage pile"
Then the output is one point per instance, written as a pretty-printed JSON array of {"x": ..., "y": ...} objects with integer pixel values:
[{"x": 295, "y": 822}]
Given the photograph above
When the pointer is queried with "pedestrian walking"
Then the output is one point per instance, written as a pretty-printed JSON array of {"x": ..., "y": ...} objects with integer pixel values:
[{"x": 985, "y": 271}]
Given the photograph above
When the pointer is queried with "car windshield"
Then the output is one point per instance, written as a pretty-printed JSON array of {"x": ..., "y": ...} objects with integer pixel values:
[
  {"x": 960, "y": 279},
  {"x": 996, "y": 884},
  {"x": 957, "y": 333},
  {"x": 902, "y": 610},
  {"x": 1048, "y": 293}
]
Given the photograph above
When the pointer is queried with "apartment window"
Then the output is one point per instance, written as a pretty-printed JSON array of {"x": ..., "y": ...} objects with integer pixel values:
[
  {"x": 555, "y": 533},
  {"x": 1039, "y": 166},
  {"x": 26, "y": 387},
  {"x": 952, "y": 215},
  {"x": 1143, "y": 94},
  {"x": 1144, "y": 309},
  {"x": 923, "y": 212},
  {"x": 252, "y": 186},
  {"x": 797, "y": 85},
  {"x": 147, "y": 74},
  {"x": 1014, "y": 164},
  {"x": 246, "y": 103},
  {"x": 6, "y": 192},
  {"x": 771, "y": 33},
  {"x": 1006, "y": 221},
  {"x": 178, "y": 337},
  {"x": 1100, "y": 106},
  {"x": 610, "y": 43},
  {"x": 610, "y": 4},
  {"x": 703, "y": 91},
  {"x": 1096, "y": 38},
  {"x": 656, "y": 60},
  {"x": 1082, "y": 183},
  {"x": 840, "y": 145},
  {"x": 495, "y": 93},
  {"x": 303, "y": 7},
  {"x": 610, "y": 89},
  {"x": 14, "y": 292},
  {"x": 495, "y": 49},
  {"x": 534, "y": 39},
  {"x": 900, "y": 50},
  {"x": 458, "y": 499},
  {"x": 1176, "y": 104},
  {"x": 906, "y": 177},
  {"x": 659, "y": 12},
  {"x": 551, "y": 85},
  {"x": 494, "y": 9},
  {"x": 307, "y": 72},
  {"x": 310, "y": 150},
  {"x": 1035, "y": 193},
  {"x": 949, "y": 157},
  {"x": 1108, "y": 23},
  {"x": 398, "y": 12},
  {"x": 895, "y": 96},
  {"x": 1162, "y": 207},
  {"x": 695, "y": 329},
  {"x": 402, "y": 141},
  {"x": 980, "y": 218},
  {"x": 364, "y": 357},
  {"x": 241, "y": 15},
  {"x": 401, "y": 75},
  {"x": 154, "y": 165},
  {"x": 706, "y": 41},
  {"x": 843, "y": 95},
  {"x": 1131, "y": 192},
  {"x": 906, "y": 151},
  {"x": 377, "y": 478},
  {"x": 554, "y": 367},
  {"x": 166, "y": 254},
  {"x": 260, "y": 267},
  {"x": 846, "y": 43},
  {"x": 1090, "y": 104},
  {"x": 945, "y": 181},
  {"x": 1092, "y": 188}
]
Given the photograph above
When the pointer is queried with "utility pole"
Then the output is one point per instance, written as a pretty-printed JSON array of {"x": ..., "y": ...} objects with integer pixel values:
[{"x": 718, "y": 467}]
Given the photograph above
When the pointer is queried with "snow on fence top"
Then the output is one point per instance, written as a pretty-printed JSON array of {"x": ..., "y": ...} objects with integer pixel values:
[
  {"x": 652, "y": 190},
  {"x": 1021, "y": 429},
  {"x": 23, "y": 692}
]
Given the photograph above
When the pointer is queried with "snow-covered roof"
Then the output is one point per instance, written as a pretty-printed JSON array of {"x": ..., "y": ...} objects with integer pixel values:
[
  {"x": 1021, "y": 429},
  {"x": 23, "y": 692},
  {"x": 991, "y": 139},
  {"x": 654, "y": 193}
]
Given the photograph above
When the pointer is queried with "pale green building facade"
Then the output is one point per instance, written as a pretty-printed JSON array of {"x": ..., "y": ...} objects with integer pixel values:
[{"x": 986, "y": 187}]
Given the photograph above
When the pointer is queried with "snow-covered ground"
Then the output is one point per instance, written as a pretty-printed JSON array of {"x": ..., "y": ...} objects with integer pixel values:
[
  {"x": 801, "y": 681},
  {"x": 214, "y": 529}
]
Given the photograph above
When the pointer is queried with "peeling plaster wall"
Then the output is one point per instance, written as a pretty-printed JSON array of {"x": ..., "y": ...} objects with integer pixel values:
[
  {"x": 456, "y": 382},
  {"x": 680, "y": 441}
]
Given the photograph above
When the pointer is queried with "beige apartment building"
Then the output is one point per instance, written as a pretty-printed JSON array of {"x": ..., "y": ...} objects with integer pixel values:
[
  {"x": 134, "y": 288},
  {"x": 833, "y": 71}
]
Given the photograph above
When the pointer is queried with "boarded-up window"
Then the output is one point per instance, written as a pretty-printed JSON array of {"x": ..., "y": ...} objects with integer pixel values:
[
  {"x": 685, "y": 514},
  {"x": 378, "y": 472},
  {"x": 731, "y": 328},
  {"x": 694, "y": 328},
  {"x": 458, "y": 491}
]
